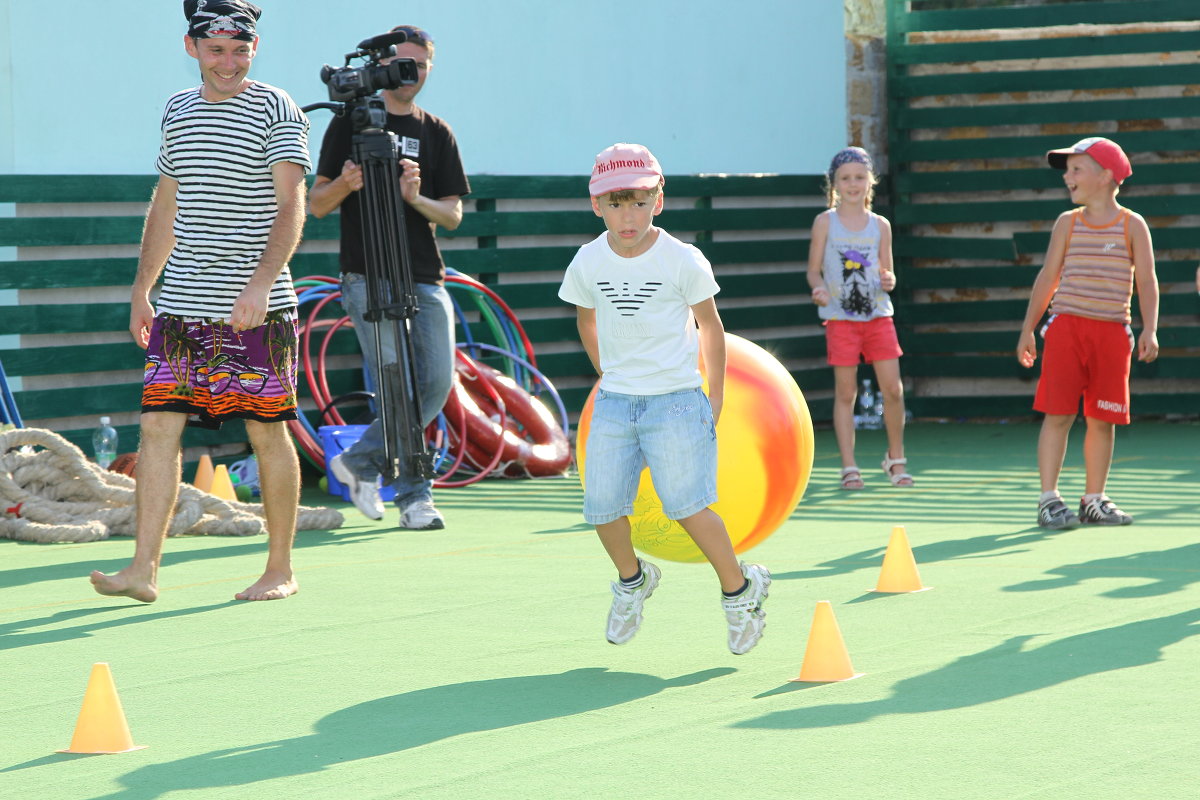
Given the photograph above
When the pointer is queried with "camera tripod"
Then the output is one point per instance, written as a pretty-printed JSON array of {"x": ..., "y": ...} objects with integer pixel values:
[{"x": 391, "y": 298}]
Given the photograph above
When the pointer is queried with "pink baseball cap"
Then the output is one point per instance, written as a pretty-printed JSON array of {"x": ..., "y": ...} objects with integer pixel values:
[
  {"x": 624, "y": 166},
  {"x": 1107, "y": 153}
]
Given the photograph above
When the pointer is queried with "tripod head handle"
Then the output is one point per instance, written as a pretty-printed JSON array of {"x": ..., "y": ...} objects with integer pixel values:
[{"x": 337, "y": 108}]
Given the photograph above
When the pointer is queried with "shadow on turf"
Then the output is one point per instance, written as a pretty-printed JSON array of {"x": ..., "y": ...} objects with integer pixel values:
[
  {"x": 1008, "y": 669},
  {"x": 581, "y": 527},
  {"x": 987, "y": 546},
  {"x": 10, "y": 638},
  {"x": 22, "y": 576},
  {"x": 1162, "y": 572},
  {"x": 397, "y": 723}
]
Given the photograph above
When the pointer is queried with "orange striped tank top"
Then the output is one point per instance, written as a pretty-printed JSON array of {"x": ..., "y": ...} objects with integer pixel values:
[{"x": 1097, "y": 276}]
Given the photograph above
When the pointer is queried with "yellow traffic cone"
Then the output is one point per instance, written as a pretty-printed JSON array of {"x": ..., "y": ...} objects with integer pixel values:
[
  {"x": 899, "y": 572},
  {"x": 825, "y": 657},
  {"x": 222, "y": 486},
  {"x": 204, "y": 474},
  {"x": 101, "y": 727}
]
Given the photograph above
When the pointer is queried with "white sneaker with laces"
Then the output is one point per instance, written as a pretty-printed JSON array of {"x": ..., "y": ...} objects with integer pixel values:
[
  {"x": 744, "y": 613},
  {"x": 1055, "y": 516},
  {"x": 420, "y": 515},
  {"x": 625, "y": 615},
  {"x": 1102, "y": 511},
  {"x": 364, "y": 494}
]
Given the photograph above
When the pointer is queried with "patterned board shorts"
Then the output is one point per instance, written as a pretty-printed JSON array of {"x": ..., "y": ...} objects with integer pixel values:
[{"x": 204, "y": 369}]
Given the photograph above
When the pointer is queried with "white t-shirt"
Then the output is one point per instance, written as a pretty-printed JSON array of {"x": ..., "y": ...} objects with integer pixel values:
[{"x": 647, "y": 335}]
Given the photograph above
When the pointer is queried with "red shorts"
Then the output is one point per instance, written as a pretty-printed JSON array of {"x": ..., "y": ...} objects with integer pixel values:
[
  {"x": 1086, "y": 358},
  {"x": 874, "y": 340}
]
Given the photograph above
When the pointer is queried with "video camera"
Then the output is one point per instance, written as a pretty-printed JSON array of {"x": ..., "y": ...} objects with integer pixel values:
[{"x": 347, "y": 83}]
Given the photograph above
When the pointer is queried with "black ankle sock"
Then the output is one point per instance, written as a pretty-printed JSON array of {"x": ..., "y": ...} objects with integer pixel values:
[
  {"x": 745, "y": 586},
  {"x": 635, "y": 580}
]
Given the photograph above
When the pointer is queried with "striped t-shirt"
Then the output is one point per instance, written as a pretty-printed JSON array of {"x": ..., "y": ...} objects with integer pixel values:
[
  {"x": 221, "y": 154},
  {"x": 1097, "y": 275}
]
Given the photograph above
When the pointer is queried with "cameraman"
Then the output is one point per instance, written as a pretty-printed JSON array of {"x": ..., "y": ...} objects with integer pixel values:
[{"x": 432, "y": 183}]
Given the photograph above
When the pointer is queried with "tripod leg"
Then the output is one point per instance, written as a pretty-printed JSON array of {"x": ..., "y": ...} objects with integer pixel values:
[{"x": 391, "y": 301}]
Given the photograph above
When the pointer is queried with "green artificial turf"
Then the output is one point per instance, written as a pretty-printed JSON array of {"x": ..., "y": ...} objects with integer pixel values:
[{"x": 471, "y": 662}]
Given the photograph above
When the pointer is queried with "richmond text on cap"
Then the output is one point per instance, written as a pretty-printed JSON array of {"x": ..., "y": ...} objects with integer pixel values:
[{"x": 624, "y": 166}]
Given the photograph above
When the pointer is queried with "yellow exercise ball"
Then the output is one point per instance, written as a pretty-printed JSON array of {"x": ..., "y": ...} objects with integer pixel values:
[{"x": 764, "y": 458}]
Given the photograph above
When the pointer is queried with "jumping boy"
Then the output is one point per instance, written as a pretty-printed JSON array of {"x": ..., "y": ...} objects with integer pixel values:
[
  {"x": 1097, "y": 252},
  {"x": 640, "y": 294}
]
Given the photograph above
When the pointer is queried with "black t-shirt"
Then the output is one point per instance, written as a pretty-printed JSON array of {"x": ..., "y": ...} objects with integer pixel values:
[{"x": 425, "y": 139}]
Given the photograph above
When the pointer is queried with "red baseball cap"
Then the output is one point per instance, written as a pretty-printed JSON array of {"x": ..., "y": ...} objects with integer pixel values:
[
  {"x": 624, "y": 166},
  {"x": 1105, "y": 152}
]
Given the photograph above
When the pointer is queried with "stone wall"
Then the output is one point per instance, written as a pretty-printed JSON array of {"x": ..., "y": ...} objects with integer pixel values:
[{"x": 866, "y": 78}]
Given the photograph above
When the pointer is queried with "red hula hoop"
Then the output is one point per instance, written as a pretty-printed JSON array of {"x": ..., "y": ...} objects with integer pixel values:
[{"x": 531, "y": 441}]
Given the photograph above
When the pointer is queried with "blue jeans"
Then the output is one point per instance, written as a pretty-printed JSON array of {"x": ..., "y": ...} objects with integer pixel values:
[
  {"x": 432, "y": 334},
  {"x": 673, "y": 434}
]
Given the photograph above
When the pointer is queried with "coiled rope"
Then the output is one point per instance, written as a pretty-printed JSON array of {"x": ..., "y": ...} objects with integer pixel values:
[{"x": 55, "y": 494}]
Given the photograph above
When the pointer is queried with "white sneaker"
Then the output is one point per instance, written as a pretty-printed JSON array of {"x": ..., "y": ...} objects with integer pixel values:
[
  {"x": 1102, "y": 511},
  {"x": 744, "y": 613},
  {"x": 421, "y": 516},
  {"x": 364, "y": 494},
  {"x": 625, "y": 615}
]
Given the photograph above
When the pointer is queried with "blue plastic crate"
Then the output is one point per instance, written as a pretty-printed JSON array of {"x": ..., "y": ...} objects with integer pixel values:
[{"x": 335, "y": 439}]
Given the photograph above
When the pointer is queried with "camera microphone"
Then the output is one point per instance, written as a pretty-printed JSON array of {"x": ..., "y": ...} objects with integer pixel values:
[{"x": 383, "y": 40}]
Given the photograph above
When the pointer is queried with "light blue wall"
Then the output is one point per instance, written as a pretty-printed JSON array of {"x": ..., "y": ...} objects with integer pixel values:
[{"x": 530, "y": 86}]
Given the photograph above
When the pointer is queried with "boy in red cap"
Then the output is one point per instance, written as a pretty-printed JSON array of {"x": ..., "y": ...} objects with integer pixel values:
[
  {"x": 1097, "y": 252},
  {"x": 645, "y": 308}
]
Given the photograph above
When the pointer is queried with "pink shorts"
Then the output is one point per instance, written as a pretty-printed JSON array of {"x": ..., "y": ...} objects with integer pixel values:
[
  {"x": 874, "y": 340},
  {"x": 1086, "y": 358}
]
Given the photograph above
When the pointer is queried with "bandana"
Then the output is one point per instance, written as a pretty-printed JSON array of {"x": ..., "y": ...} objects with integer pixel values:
[
  {"x": 849, "y": 155},
  {"x": 221, "y": 19}
]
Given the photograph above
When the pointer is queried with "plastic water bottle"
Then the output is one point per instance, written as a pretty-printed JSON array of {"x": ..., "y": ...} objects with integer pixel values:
[
  {"x": 104, "y": 443},
  {"x": 869, "y": 416}
]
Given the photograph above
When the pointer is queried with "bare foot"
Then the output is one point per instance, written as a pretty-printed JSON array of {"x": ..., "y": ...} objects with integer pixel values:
[
  {"x": 120, "y": 584},
  {"x": 271, "y": 586}
]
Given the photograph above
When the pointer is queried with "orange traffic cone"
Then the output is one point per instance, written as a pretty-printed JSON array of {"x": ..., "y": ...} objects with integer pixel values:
[
  {"x": 899, "y": 572},
  {"x": 825, "y": 657},
  {"x": 101, "y": 727},
  {"x": 222, "y": 486},
  {"x": 204, "y": 474}
]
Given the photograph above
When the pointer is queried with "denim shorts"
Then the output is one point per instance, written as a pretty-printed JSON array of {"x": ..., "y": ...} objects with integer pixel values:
[{"x": 671, "y": 433}]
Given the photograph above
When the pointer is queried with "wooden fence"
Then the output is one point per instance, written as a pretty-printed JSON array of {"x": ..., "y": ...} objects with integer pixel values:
[
  {"x": 976, "y": 98},
  {"x": 68, "y": 253}
]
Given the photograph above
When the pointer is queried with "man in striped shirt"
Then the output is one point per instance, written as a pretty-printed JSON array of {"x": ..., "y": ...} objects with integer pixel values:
[
  {"x": 224, "y": 219},
  {"x": 1097, "y": 253}
]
